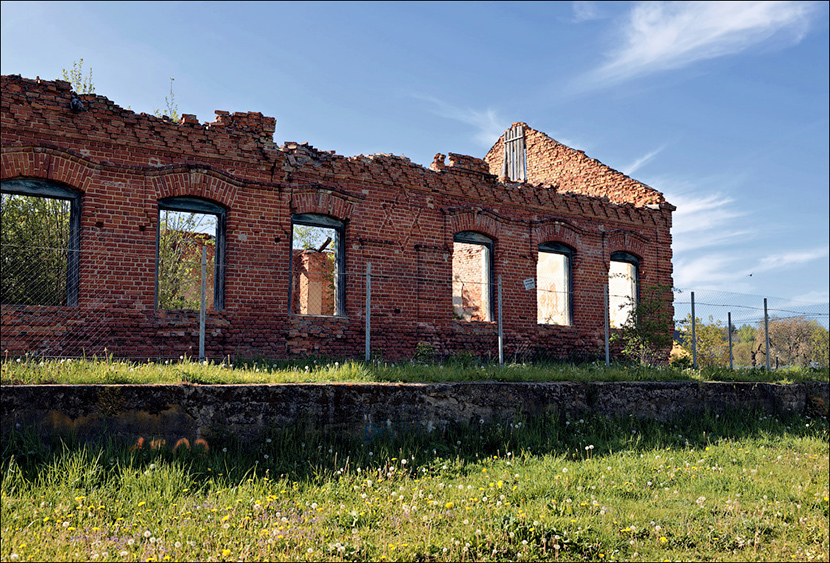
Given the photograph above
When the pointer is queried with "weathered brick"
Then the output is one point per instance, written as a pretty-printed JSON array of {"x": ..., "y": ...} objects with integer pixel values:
[{"x": 399, "y": 216}]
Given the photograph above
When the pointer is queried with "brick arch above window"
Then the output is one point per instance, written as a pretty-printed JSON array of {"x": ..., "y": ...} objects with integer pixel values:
[
  {"x": 202, "y": 184},
  {"x": 558, "y": 231},
  {"x": 48, "y": 164},
  {"x": 319, "y": 202},
  {"x": 478, "y": 221},
  {"x": 627, "y": 241}
]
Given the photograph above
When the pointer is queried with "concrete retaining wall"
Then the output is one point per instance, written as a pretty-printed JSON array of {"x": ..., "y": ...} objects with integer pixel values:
[{"x": 209, "y": 412}]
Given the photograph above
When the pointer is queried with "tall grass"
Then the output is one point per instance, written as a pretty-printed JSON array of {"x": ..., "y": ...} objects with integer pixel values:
[
  {"x": 32, "y": 370},
  {"x": 740, "y": 486}
]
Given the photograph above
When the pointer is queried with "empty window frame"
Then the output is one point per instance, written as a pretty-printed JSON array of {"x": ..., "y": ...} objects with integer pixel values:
[
  {"x": 40, "y": 224},
  {"x": 623, "y": 287},
  {"x": 472, "y": 277},
  {"x": 317, "y": 265},
  {"x": 185, "y": 226},
  {"x": 553, "y": 284}
]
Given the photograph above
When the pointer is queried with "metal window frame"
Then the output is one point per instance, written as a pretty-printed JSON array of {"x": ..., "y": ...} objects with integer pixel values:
[
  {"x": 187, "y": 204},
  {"x": 339, "y": 227},
  {"x": 474, "y": 237},
  {"x": 40, "y": 188},
  {"x": 559, "y": 248}
]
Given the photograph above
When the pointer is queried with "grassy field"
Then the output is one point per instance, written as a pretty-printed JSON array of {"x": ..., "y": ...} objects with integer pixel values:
[
  {"x": 185, "y": 370},
  {"x": 736, "y": 487}
]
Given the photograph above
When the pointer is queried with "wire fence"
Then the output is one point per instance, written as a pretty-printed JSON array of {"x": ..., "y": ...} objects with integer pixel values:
[
  {"x": 741, "y": 330},
  {"x": 55, "y": 305}
]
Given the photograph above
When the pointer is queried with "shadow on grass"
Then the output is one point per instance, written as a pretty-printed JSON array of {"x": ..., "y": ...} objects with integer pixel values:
[{"x": 297, "y": 455}]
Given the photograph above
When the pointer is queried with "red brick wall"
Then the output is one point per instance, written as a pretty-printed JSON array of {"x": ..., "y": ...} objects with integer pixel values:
[{"x": 398, "y": 216}]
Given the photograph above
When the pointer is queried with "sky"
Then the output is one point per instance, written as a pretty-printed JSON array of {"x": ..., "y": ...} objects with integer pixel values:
[{"x": 721, "y": 106}]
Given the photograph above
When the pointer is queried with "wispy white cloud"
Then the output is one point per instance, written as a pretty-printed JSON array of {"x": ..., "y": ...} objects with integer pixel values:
[
  {"x": 634, "y": 166},
  {"x": 488, "y": 125},
  {"x": 734, "y": 271},
  {"x": 659, "y": 36},
  {"x": 789, "y": 259},
  {"x": 586, "y": 11},
  {"x": 813, "y": 297},
  {"x": 704, "y": 220}
]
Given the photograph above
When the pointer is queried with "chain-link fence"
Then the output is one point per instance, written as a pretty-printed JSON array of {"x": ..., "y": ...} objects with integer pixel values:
[
  {"x": 740, "y": 330},
  {"x": 105, "y": 299}
]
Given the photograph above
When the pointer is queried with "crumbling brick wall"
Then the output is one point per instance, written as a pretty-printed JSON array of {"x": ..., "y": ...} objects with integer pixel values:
[{"x": 398, "y": 216}]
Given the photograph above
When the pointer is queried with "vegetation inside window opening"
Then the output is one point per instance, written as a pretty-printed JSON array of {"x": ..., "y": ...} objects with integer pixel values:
[
  {"x": 182, "y": 235},
  {"x": 315, "y": 263},
  {"x": 622, "y": 292},
  {"x": 35, "y": 249}
]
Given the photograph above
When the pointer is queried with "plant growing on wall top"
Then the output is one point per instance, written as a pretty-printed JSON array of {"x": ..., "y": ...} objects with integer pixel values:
[{"x": 80, "y": 83}]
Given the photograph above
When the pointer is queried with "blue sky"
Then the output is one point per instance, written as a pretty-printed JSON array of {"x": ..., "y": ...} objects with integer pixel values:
[{"x": 721, "y": 106}]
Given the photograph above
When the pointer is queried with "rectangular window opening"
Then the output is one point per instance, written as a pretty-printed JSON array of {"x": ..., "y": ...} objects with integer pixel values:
[
  {"x": 38, "y": 257},
  {"x": 317, "y": 271},
  {"x": 182, "y": 236}
]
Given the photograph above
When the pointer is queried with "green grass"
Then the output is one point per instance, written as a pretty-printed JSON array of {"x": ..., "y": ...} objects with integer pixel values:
[
  {"x": 30, "y": 370},
  {"x": 740, "y": 486}
]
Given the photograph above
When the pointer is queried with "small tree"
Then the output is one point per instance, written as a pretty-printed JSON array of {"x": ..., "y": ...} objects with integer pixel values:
[
  {"x": 796, "y": 341},
  {"x": 80, "y": 83},
  {"x": 647, "y": 335},
  {"x": 712, "y": 348},
  {"x": 172, "y": 107}
]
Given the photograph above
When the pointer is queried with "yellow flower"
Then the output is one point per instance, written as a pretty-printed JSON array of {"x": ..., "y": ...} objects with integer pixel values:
[
  {"x": 142, "y": 503},
  {"x": 226, "y": 552},
  {"x": 663, "y": 539},
  {"x": 448, "y": 505}
]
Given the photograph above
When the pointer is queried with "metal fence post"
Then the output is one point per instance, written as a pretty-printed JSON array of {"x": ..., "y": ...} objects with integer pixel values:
[
  {"x": 501, "y": 332},
  {"x": 694, "y": 336},
  {"x": 368, "y": 311},
  {"x": 766, "y": 331},
  {"x": 607, "y": 328},
  {"x": 202, "y": 306},
  {"x": 729, "y": 332}
]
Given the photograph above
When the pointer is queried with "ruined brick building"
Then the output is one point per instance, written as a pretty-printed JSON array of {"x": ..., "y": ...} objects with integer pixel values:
[{"x": 553, "y": 224}]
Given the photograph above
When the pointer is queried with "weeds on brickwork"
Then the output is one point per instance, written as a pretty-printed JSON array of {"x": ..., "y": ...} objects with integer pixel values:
[
  {"x": 463, "y": 367},
  {"x": 739, "y": 486}
]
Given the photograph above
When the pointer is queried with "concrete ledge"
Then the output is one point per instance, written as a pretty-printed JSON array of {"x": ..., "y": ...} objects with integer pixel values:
[{"x": 210, "y": 412}]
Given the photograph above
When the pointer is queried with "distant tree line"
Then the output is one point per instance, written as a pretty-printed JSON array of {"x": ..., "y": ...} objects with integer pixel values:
[{"x": 794, "y": 341}]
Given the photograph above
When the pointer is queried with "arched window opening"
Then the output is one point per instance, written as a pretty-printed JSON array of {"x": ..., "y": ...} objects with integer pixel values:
[
  {"x": 40, "y": 224},
  {"x": 472, "y": 276},
  {"x": 186, "y": 226},
  {"x": 623, "y": 287},
  {"x": 317, "y": 265},
  {"x": 553, "y": 284}
]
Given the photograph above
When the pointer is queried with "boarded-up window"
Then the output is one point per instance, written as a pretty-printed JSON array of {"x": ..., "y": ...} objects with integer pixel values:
[
  {"x": 553, "y": 284},
  {"x": 186, "y": 226},
  {"x": 472, "y": 277},
  {"x": 39, "y": 250},
  {"x": 515, "y": 155},
  {"x": 317, "y": 280},
  {"x": 622, "y": 287}
]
